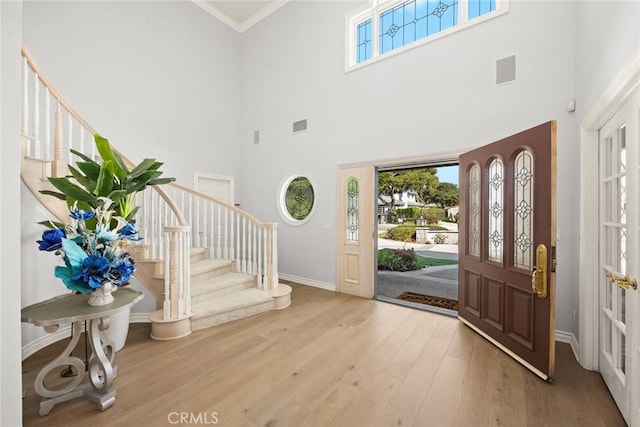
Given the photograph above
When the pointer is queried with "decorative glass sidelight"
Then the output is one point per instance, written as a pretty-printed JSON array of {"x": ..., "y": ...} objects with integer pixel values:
[
  {"x": 496, "y": 210},
  {"x": 352, "y": 210},
  {"x": 523, "y": 211},
  {"x": 474, "y": 210}
]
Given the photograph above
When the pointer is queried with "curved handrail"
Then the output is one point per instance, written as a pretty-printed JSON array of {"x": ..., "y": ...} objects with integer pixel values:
[
  {"x": 72, "y": 111},
  {"x": 219, "y": 202}
]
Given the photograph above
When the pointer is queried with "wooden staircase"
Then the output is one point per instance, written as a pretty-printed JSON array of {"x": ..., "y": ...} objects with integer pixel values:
[{"x": 201, "y": 288}]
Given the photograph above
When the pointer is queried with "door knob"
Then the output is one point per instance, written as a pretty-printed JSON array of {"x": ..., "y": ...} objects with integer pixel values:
[
  {"x": 539, "y": 275},
  {"x": 623, "y": 282}
]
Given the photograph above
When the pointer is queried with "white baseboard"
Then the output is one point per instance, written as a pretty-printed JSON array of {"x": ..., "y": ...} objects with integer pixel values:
[
  {"x": 65, "y": 332},
  {"x": 570, "y": 339},
  {"x": 308, "y": 282},
  {"x": 42, "y": 342}
]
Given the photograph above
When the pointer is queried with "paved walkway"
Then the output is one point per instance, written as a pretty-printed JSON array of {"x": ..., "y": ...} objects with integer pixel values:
[{"x": 441, "y": 281}]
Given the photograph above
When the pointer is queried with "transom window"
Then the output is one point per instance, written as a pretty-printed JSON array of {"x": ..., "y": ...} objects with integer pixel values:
[{"x": 395, "y": 25}]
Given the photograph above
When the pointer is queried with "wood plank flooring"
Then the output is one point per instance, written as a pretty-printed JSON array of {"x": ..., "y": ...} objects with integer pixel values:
[{"x": 330, "y": 359}]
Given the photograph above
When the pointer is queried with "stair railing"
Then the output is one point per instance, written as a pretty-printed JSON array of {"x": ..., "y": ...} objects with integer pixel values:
[{"x": 172, "y": 218}]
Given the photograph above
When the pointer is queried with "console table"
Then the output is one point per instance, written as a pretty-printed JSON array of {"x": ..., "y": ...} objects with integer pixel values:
[{"x": 74, "y": 309}]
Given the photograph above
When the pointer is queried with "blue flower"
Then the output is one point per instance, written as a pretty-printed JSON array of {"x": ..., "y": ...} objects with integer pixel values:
[
  {"x": 121, "y": 270},
  {"x": 81, "y": 214},
  {"x": 51, "y": 239},
  {"x": 129, "y": 232},
  {"x": 93, "y": 271}
]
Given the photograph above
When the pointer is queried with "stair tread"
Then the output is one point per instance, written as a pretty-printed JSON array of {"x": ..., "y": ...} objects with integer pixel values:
[
  {"x": 230, "y": 302},
  {"x": 219, "y": 282},
  {"x": 205, "y": 265}
]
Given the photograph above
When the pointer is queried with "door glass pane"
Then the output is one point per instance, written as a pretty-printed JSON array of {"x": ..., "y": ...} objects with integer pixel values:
[
  {"x": 523, "y": 207},
  {"x": 496, "y": 209},
  {"x": 620, "y": 362},
  {"x": 607, "y": 332},
  {"x": 622, "y": 306},
  {"x": 352, "y": 210},
  {"x": 474, "y": 210}
]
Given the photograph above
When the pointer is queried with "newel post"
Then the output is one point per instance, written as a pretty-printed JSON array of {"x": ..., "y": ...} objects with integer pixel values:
[
  {"x": 271, "y": 267},
  {"x": 173, "y": 319},
  {"x": 58, "y": 165}
]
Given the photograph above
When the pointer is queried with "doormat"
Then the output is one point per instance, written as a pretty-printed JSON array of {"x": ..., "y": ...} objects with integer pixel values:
[{"x": 449, "y": 304}]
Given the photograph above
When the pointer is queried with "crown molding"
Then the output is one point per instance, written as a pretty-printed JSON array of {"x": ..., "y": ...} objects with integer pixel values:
[{"x": 247, "y": 23}]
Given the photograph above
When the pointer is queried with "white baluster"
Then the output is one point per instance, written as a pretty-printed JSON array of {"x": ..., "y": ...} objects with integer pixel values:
[
  {"x": 70, "y": 131},
  {"x": 187, "y": 276},
  {"x": 166, "y": 304},
  {"x": 36, "y": 117},
  {"x": 244, "y": 244},
  {"x": 263, "y": 271},
  {"x": 236, "y": 241},
  {"x": 225, "y": 241},
  {"x": 81, "y": 149},
  {"x": 25, "y": 100},
  {"x": 274, "y": 257},
  {"x": 47, "y": 124},
  {"x": 219, "y": 253},
  {"x": 181, "y": 268},
  {"x": 211, "y": 233}
]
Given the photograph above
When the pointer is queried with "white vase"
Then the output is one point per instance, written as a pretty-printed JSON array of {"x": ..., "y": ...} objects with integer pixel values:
[{"x": 102, "y": 295}]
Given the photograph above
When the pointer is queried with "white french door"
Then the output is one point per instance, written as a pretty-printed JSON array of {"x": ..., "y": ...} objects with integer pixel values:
[{"x": 619, "y": 206}]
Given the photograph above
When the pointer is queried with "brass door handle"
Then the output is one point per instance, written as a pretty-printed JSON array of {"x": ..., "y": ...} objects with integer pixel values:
[
  {"x": 539, "y": 275},
  {"x": 623, "y": 282}
]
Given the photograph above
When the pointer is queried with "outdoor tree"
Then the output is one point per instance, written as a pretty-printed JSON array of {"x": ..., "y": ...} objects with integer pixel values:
[
  {"x": 396, "y": 182},
  {"x": 445, "y": 195}
]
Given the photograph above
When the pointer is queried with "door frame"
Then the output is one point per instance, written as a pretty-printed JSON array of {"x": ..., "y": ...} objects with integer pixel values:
[{"x": 619, "y": 91}]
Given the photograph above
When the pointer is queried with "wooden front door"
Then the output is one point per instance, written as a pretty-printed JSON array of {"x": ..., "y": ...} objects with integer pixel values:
[
  {"x": 355, "y": 230},
  {"x": 507, "y": 244}
]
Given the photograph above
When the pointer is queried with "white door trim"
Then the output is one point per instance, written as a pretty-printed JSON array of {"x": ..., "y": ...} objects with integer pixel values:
[
  {"x": 228, "y": 179},
  {"x": 619, "y": 91}
]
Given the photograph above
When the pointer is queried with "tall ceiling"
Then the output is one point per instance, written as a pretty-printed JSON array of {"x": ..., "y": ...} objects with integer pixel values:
[{"x": 240, "y": 14}]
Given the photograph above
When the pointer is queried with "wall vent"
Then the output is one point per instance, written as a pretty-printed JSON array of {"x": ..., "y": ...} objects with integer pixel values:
[
  {"x": 300, "y": 125},
  {"x": 256, "y": 136},
  {"x": 506, "y": 69}
]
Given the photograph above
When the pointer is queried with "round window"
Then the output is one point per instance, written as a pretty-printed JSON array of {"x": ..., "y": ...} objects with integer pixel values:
[{"x": 297, "y": 200}]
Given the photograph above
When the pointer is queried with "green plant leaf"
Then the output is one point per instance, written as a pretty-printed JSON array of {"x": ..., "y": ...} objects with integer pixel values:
[
  {"x": 117, "y": 195},
  {"x": 161, "y": 181},
  {"x": 91, "y": 170},
  {"x": 72, "y": 191},
  {"x": 144, "y": 166},
  {"x": 83, "y": 156},
  {"x": 87, "y": 183},
  {"x": 51, "y": 224},
  {"x": 54, "y": 194},
  {"x": 104, "y": 148},
  {"x": 105, "y": 179}
]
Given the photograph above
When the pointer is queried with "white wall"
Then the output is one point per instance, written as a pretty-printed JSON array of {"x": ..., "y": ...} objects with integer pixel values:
[
  {"x": 608, "y": 33},
  {"x": 157, "y": 78},
  {"x": 437, "y": 97},
  {"x": 10, "y": 366}
]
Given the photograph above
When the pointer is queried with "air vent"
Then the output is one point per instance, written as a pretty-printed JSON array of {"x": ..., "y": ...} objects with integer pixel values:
[
  {"x": 256, "y": 136},
  {"x": 300, "y": 125},
  {"x": 506, "y": 69}
]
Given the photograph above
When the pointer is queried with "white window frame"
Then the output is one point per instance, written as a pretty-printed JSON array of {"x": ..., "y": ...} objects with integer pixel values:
[
  {"x": 281, "y": 203},
  {"x": 378, "y": 6}
]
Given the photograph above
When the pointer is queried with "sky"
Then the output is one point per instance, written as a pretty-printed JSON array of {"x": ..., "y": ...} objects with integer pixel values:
[{"x": 448, "y": 174}]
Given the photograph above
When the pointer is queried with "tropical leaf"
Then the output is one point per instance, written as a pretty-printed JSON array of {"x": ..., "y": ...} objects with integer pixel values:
[
  {"x": 83, "y": 156},
  {"x": 73, "y": 191},
  {"x": 161, "y": 181},
  {"x": 87, "y": 183},
  {"x": 51, "y": 224},
  {"x": 104, "y": 148},
  {"x": 54, "y": 194},
  {"x": 144, "y": 166},
  {"x": 104, "y": 186},
  {"x": 91, "y": 170}
]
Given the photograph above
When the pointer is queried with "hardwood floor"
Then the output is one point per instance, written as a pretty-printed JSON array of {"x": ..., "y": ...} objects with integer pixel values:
[{"x": 331, "y": 359}]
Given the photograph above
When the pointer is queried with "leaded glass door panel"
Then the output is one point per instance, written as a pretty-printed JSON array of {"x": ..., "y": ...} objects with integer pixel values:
[
  {"x": 618, "y": 255},
  {"x": 506, "y": 284},
  {"x": 356, "y": 213}
]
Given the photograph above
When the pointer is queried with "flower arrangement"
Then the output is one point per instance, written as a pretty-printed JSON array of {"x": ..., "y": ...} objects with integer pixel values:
[
  {"x": 91, "y": 248},
  {"x": 101, "y": 200}
]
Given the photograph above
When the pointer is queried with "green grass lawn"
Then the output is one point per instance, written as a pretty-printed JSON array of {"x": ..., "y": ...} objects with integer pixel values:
[{"x": 432, "y": 262}]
